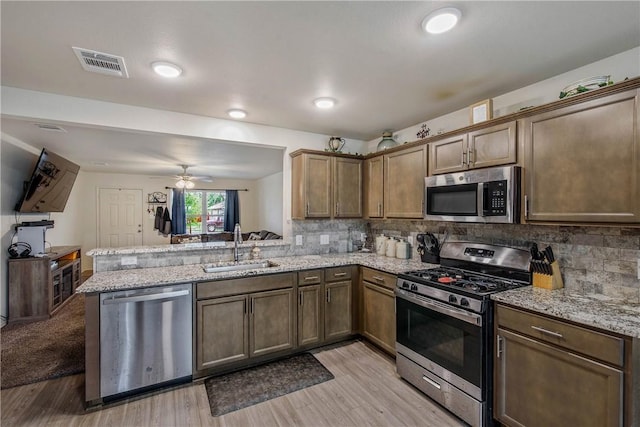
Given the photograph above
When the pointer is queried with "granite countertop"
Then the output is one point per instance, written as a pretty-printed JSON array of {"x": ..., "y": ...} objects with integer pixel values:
[
  {"x": 108, "y": 281},
  {"x": 150, "y": 249},
  {"x": 593, "y": 310}
]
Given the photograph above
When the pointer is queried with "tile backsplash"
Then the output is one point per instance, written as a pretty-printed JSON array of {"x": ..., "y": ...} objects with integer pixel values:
[{"x": 601, "y": 260}]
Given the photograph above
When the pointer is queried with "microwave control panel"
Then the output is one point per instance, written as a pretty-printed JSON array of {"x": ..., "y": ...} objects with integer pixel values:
[{"x": 495, "y": 198}]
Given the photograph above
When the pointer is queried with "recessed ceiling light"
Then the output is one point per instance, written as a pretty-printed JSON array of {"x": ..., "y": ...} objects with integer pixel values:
[
  {"x": 166, "y": 69},
  {"x": 324, "y": 103},
  {"x": 237, "y": 114},
  {"x": 441, "y": 20}
]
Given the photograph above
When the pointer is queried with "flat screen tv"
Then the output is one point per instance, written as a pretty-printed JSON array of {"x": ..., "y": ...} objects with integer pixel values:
[{"x": 50, "y": 184}]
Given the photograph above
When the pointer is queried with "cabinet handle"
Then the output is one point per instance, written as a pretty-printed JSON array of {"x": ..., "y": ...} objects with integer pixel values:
[
  {"x": 547, "y": 332},
  {"x": 337, "y": 209},
  {"x": 500, "y": 346},
  {"x": 526, "y": 207},
  {"x": 328, "y": 295},
  {"x": 470, "y": 156},
  {"x": 339, "y": 274},
  {"x": 244, "y": 306},
  {"x": 464, "y": 155},
  {"x": 379, "y": 209},
  {"x": 432, "y": 382},
  {"x": 301, "y": 299},
  {"x": 312, "y": 278},
  {"x": 307, "y": 209},
  {"x": 378, "y": 278}
]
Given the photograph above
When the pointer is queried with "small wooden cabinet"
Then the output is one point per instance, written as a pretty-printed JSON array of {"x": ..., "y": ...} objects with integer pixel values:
[
  {"x": 38, "y": 287},
  {"x": 337, "y": 310},
  {"x": 583, "y": 161},
  {"x": 492, "y": 146},
  {"x": 310, "y": 307},
  {"x": 239, "y": 319},
  {"x": 378, "y": 308},
  {"x": 374, "y": 187},
  {"x": 548, "y": 372},
  {"x": 404, "y": 173},
  {"x": 326, "y": 185}
]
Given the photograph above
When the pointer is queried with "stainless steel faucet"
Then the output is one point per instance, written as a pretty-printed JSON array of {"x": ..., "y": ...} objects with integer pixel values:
[{"x": 237, "y": 239}]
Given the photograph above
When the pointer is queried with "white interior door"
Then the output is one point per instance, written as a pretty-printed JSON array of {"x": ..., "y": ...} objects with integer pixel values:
[{"x": 119, "y": 217}]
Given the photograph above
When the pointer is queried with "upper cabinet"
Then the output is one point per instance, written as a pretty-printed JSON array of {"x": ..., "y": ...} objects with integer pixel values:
[
  {"x": 492, "y": 146},
  {"x": 582, "y": 162},
  {"x": 374, "y": 187},
  {"x": 325, "y": 186},
  {"x": 404, "y": 173}
]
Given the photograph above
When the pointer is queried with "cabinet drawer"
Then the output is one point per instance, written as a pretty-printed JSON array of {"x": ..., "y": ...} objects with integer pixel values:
[
  {"x": 310, "y": 277},
  {"x": 245, "y": 285},
  {"x": 601, "y": 346},
  {"x": 379, "y": 278},
  {"x": 337, "y": 273}
]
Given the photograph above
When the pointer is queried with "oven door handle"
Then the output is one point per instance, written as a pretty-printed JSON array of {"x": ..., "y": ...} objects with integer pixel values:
[{"x": 465, "y": 316}]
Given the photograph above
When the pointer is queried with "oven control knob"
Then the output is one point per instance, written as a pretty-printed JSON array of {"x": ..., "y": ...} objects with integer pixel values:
[
  {"x": 464, "y": 302},
  {"x": 405, "y": 285},
  {"x": 414, "y": 288},
  {"x": 453, "y": 299}
]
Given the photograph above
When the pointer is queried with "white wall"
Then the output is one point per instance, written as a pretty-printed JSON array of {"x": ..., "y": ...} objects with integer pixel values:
[
  {"x": 620, "y": 66},
  {"x": 269, "y": 191}
]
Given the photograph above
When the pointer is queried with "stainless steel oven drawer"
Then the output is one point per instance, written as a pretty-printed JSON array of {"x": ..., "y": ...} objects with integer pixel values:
[{"x": 458, "y": 402}]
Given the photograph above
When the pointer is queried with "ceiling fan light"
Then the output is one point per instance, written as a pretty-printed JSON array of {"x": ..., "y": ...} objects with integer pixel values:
[
  {"x": 189, "y": 184},
  {"x": 181, "y": 183},
  {"x": 441, "y": 20}
]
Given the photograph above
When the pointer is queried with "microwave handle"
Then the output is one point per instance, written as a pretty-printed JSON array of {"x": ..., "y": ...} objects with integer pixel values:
[{"x": 481, "y": 199}]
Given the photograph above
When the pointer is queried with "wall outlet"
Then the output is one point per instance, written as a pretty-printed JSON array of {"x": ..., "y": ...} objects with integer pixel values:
[
  {"x": 299, "y": 240},
  {"x": 410, "y": 240},
  {"x": 129, "y": 260},
  {"x": 324, "y": 239}
]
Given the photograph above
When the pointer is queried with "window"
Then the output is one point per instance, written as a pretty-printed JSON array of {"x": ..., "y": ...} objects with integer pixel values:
[{"x": 204, "y": 211}]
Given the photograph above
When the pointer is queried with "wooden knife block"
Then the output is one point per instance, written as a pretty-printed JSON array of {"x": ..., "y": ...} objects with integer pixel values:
[{"x": 546, "y": 281}]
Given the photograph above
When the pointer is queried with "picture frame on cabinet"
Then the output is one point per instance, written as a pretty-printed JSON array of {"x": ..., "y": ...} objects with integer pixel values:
[{"x": 481, "y": 111}]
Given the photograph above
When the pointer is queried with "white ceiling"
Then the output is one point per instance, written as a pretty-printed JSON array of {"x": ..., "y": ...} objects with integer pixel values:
[{"x": 273, "y": 58}]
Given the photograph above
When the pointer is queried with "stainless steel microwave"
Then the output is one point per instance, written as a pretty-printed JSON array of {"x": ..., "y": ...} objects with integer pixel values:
[{"x": 489, "y": 195}]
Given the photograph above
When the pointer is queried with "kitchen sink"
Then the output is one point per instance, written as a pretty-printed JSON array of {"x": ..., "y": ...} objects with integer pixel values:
[{"x": 217, "y": 268}]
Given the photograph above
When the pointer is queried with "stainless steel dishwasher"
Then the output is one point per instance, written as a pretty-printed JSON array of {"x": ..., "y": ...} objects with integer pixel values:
[{"x": 145, "y": 338}]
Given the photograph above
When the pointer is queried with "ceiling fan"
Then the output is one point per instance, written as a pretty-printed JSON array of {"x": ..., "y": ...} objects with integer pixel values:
[{"x": 186, "y": 180}]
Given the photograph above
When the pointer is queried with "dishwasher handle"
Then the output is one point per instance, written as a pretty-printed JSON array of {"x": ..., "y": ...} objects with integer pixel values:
[{"x": 146, "y": 297}]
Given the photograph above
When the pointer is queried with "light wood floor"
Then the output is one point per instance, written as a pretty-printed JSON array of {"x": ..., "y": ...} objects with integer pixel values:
[{"x": 366, "y": 391}]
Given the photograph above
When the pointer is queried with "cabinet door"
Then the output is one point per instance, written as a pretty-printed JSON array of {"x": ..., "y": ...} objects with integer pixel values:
[
  {"x": 272, "y": 321},
  {"x": 310, "y": 324},
  {"x": 337, "y": 310},
  {"x": 448, "y": 155},
  {"x": 222, "y": 331},
  {"x": 373, "y": 187},
  {"x": 347, "y": 187},
  {"x": 583, "y": 162},
  {"x": 379, "y": 316},
  {"x": 404, "y": 175},
  {"x": 492, "y": 146},
  {"x": 317, "y": 182},
  {"x": 540, "y": 385}
]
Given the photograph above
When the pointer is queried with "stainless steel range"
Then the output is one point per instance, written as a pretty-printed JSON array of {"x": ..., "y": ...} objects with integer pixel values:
[{"x": 444, "y": 321}]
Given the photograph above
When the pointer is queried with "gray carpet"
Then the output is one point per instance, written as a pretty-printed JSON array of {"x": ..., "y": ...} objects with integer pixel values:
[
  {"x": 45, "y": 349},
  {"x": 250, "y": 386}
]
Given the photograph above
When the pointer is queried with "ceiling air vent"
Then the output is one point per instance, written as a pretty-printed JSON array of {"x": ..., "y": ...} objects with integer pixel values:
[
  {"x": 104, "y": 63},
  {"x": 49, "y": 127}
]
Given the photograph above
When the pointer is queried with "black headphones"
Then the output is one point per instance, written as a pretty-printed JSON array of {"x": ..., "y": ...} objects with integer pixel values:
[{"x": 19, "y": 250}]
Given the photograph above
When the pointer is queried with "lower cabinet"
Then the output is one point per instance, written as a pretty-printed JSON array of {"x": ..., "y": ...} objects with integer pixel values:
[
  {"x": 310, "y": 317},
  {"x": 237, "y": 327},
  {"x": 337, "y": 310},
  {"x": 378, "y": 309},
  {"x": 548, "y": 372}
]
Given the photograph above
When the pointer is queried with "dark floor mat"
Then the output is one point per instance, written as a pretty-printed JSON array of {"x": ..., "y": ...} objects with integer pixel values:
[{"x": 244, "y": 388}]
